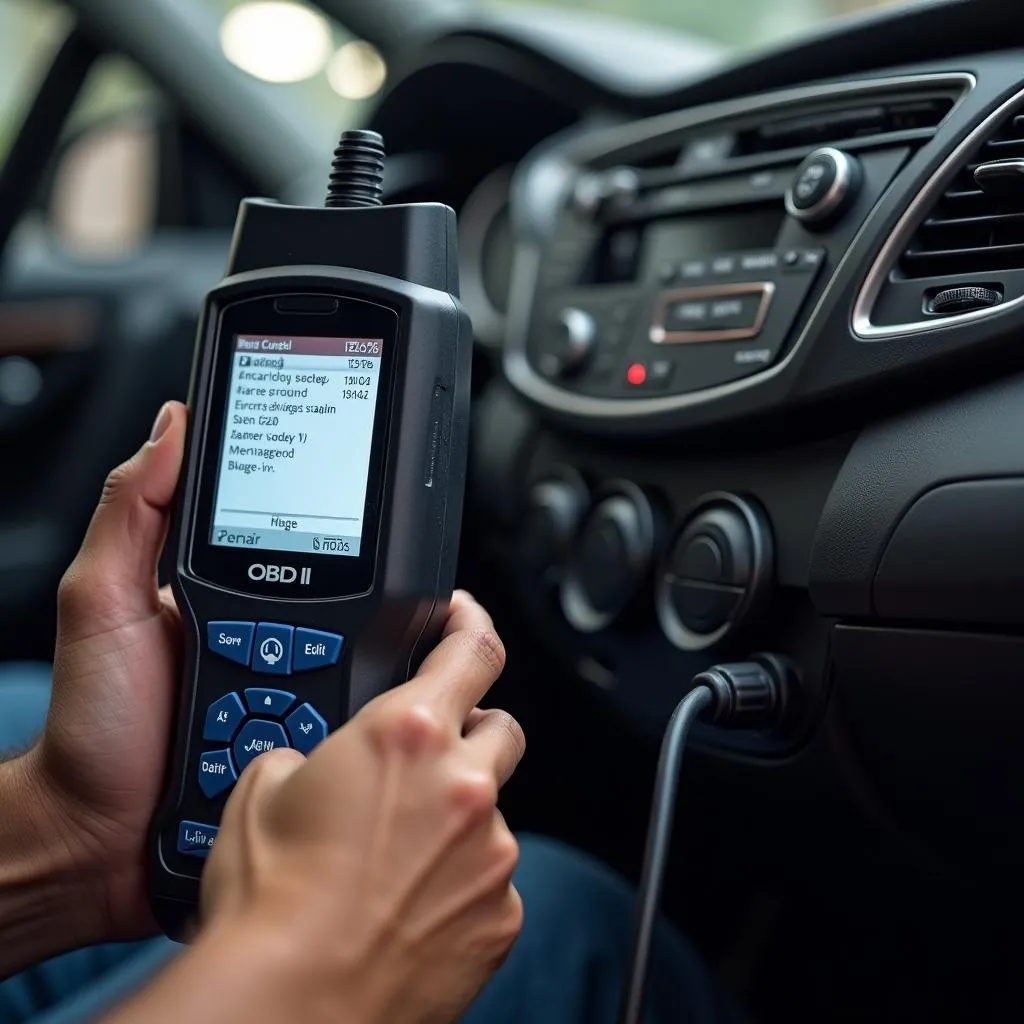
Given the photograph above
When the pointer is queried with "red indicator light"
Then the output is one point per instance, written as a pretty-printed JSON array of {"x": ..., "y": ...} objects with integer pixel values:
[{"x": 636, "y": 374}]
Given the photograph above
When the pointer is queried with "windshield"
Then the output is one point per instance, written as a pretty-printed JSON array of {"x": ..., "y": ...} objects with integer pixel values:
[{"x": 736, "y": 24}]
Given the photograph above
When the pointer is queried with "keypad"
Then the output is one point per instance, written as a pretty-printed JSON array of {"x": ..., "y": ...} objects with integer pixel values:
[
  {"x": 274, "y": 648},
  {"x": 246, "y": 730},
  {"x": 242, "y": 730}
]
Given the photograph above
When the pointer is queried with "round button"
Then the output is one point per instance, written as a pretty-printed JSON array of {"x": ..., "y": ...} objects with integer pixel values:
[
  {"x": 555, "y": 509},
  {"x": 610, "y": 559},
  {"x": 715, "y": 570},
  {"x": 823, "y": 187},
  {"x": 574, "y": 337}
]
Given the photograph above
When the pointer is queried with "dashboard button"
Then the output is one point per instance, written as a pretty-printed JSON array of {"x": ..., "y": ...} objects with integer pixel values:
[
  {"x": 823, "y": 187},
  {"x": 735, "y": 312},
  {"x": 693, "y": 270},
  {"x": 555, "y": 509},
  {"x": 572, "y": 343},
  {"x": 759, "y": 261},
  {"x": 610, "y": 559},
  {"x": 686, "y": 315},
  {"x": 699, "y": 559},
  {"x": 704, "y": 607},
  {"x": 722, "y": 265},
  {"x": 660, "y": 372}
]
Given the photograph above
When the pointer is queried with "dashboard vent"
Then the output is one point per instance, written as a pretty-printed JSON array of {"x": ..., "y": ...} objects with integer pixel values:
[
  {"x": 887, "y": 116},
  {"x": 971, "y": 230}
]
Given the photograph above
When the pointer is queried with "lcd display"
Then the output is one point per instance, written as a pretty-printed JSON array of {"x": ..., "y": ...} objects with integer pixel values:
[{"x": 295, "y": 455}]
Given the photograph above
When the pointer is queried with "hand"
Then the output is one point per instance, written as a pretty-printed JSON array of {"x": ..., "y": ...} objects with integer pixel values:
[
  {"x": 98, "y": 768},
  {"x": 382, "y": 862}
]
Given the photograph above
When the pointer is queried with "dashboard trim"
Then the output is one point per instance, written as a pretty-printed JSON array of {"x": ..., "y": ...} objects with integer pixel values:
[
  {"x": 516, "y": 365},
  {"x": 478, "y": 215},
  {"x": 901, "y": 234},
  {"x": 659, "y": 336}
]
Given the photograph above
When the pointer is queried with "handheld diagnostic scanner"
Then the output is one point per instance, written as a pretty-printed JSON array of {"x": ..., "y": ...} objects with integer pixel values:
[{"x": 318, "y": 512}]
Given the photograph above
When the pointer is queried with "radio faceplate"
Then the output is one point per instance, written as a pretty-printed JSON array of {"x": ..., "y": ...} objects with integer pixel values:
[
  {"x": 727, "y": 316},
  {"x": 659, "y": 282}
]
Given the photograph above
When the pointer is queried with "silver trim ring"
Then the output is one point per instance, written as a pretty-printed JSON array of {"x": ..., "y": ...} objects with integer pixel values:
[
  {"x": 659, "y": 336},
  {"x": 919, "y": 208},
  {"x": 526, "y": 267},
  {"x": 630, "y": 510},
  {"x": 837, "y": 193}
]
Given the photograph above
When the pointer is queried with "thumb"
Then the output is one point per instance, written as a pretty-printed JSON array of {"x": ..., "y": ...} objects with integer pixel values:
[{"x": 113, "y": 580}]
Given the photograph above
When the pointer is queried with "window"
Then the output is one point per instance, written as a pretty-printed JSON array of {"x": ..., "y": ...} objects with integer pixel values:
[{"x": 30, "y": 33}]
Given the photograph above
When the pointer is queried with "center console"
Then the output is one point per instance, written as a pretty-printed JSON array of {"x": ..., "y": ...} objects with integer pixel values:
[
  {"x": 701, "y": 266},
  {"x": 762, "y": 389}
]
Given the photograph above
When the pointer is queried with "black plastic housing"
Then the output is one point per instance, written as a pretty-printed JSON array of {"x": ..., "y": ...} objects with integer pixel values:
[{"x": 404, "y": 259}]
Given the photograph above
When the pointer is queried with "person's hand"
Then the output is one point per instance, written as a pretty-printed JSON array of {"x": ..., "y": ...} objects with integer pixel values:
[
  {"x": 382, "y": 864},
  {"x": 97, "y": 770}
]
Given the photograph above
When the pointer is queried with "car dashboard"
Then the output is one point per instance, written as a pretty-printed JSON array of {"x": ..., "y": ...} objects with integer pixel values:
[{"x": 751, "y": 381}]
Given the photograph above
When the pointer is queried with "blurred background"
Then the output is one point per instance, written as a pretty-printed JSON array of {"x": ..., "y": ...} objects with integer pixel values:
[
  {"x": 296, "y": 48},
  {"x": 131, "y": 129}
]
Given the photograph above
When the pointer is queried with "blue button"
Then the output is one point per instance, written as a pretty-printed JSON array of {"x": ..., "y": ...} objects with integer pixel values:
[
  {"x": 272, "y": 651},
  {"x": 216, "y": 772},
  {"x": 196, "y": 839},
  {"x": 257, "y": 737},
  {"x": 231, "y": 640},
  {"x": 223, "y": 718},
  {"x": 268, "y": 702},
  {"x": 306, "y": 728},
  {"x": 314, "y": 649}
]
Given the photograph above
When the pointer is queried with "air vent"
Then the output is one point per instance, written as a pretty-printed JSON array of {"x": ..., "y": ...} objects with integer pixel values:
[
  {"x": 884, "y": 116},
  {"x": 973, "y": 230}
]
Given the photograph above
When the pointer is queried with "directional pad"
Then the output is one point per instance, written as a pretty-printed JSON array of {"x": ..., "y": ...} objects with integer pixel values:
[
  {"x": 262, "y": 701},
  {"x": 257, "y": 737}
]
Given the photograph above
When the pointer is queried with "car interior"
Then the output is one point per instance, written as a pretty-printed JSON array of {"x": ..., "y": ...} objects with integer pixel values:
[{"x": 746, "y": 283}]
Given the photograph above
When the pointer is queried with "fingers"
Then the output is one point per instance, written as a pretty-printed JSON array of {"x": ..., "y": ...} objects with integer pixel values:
[
  {"x": 118, "y": 558},
  {"x": 496, "y": 743},
  {"x": 463, "y": 667},
  {"x": 461, "y": 604},
  {"x": 259, "y": 782},
  {"x": 169, "y": 605}
]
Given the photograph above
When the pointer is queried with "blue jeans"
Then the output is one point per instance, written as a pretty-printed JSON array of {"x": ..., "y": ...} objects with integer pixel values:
[{"x": 566, "y": 967}]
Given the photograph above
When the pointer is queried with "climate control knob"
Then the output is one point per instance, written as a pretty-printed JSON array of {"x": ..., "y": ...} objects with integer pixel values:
[
  {"x": 554, "y": 511},
  {"x": 574, "y": 337},
  {"x": 610, "y": 559},
  {"x": 715, "y": 572},
  {"x": 824, "y": 187}
]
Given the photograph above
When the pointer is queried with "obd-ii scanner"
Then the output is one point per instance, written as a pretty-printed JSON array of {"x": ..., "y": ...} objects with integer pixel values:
[{"x": 318, "y": 513}]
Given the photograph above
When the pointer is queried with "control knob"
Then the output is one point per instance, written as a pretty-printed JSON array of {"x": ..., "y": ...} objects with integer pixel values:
[
  {"x": 555, "y": 509},
  {"x": 824, "y": 187},
  {"x": 575, "y": 335},
  {"x": 610, "y": 559},
  {"x": 716, "y": 571}
]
